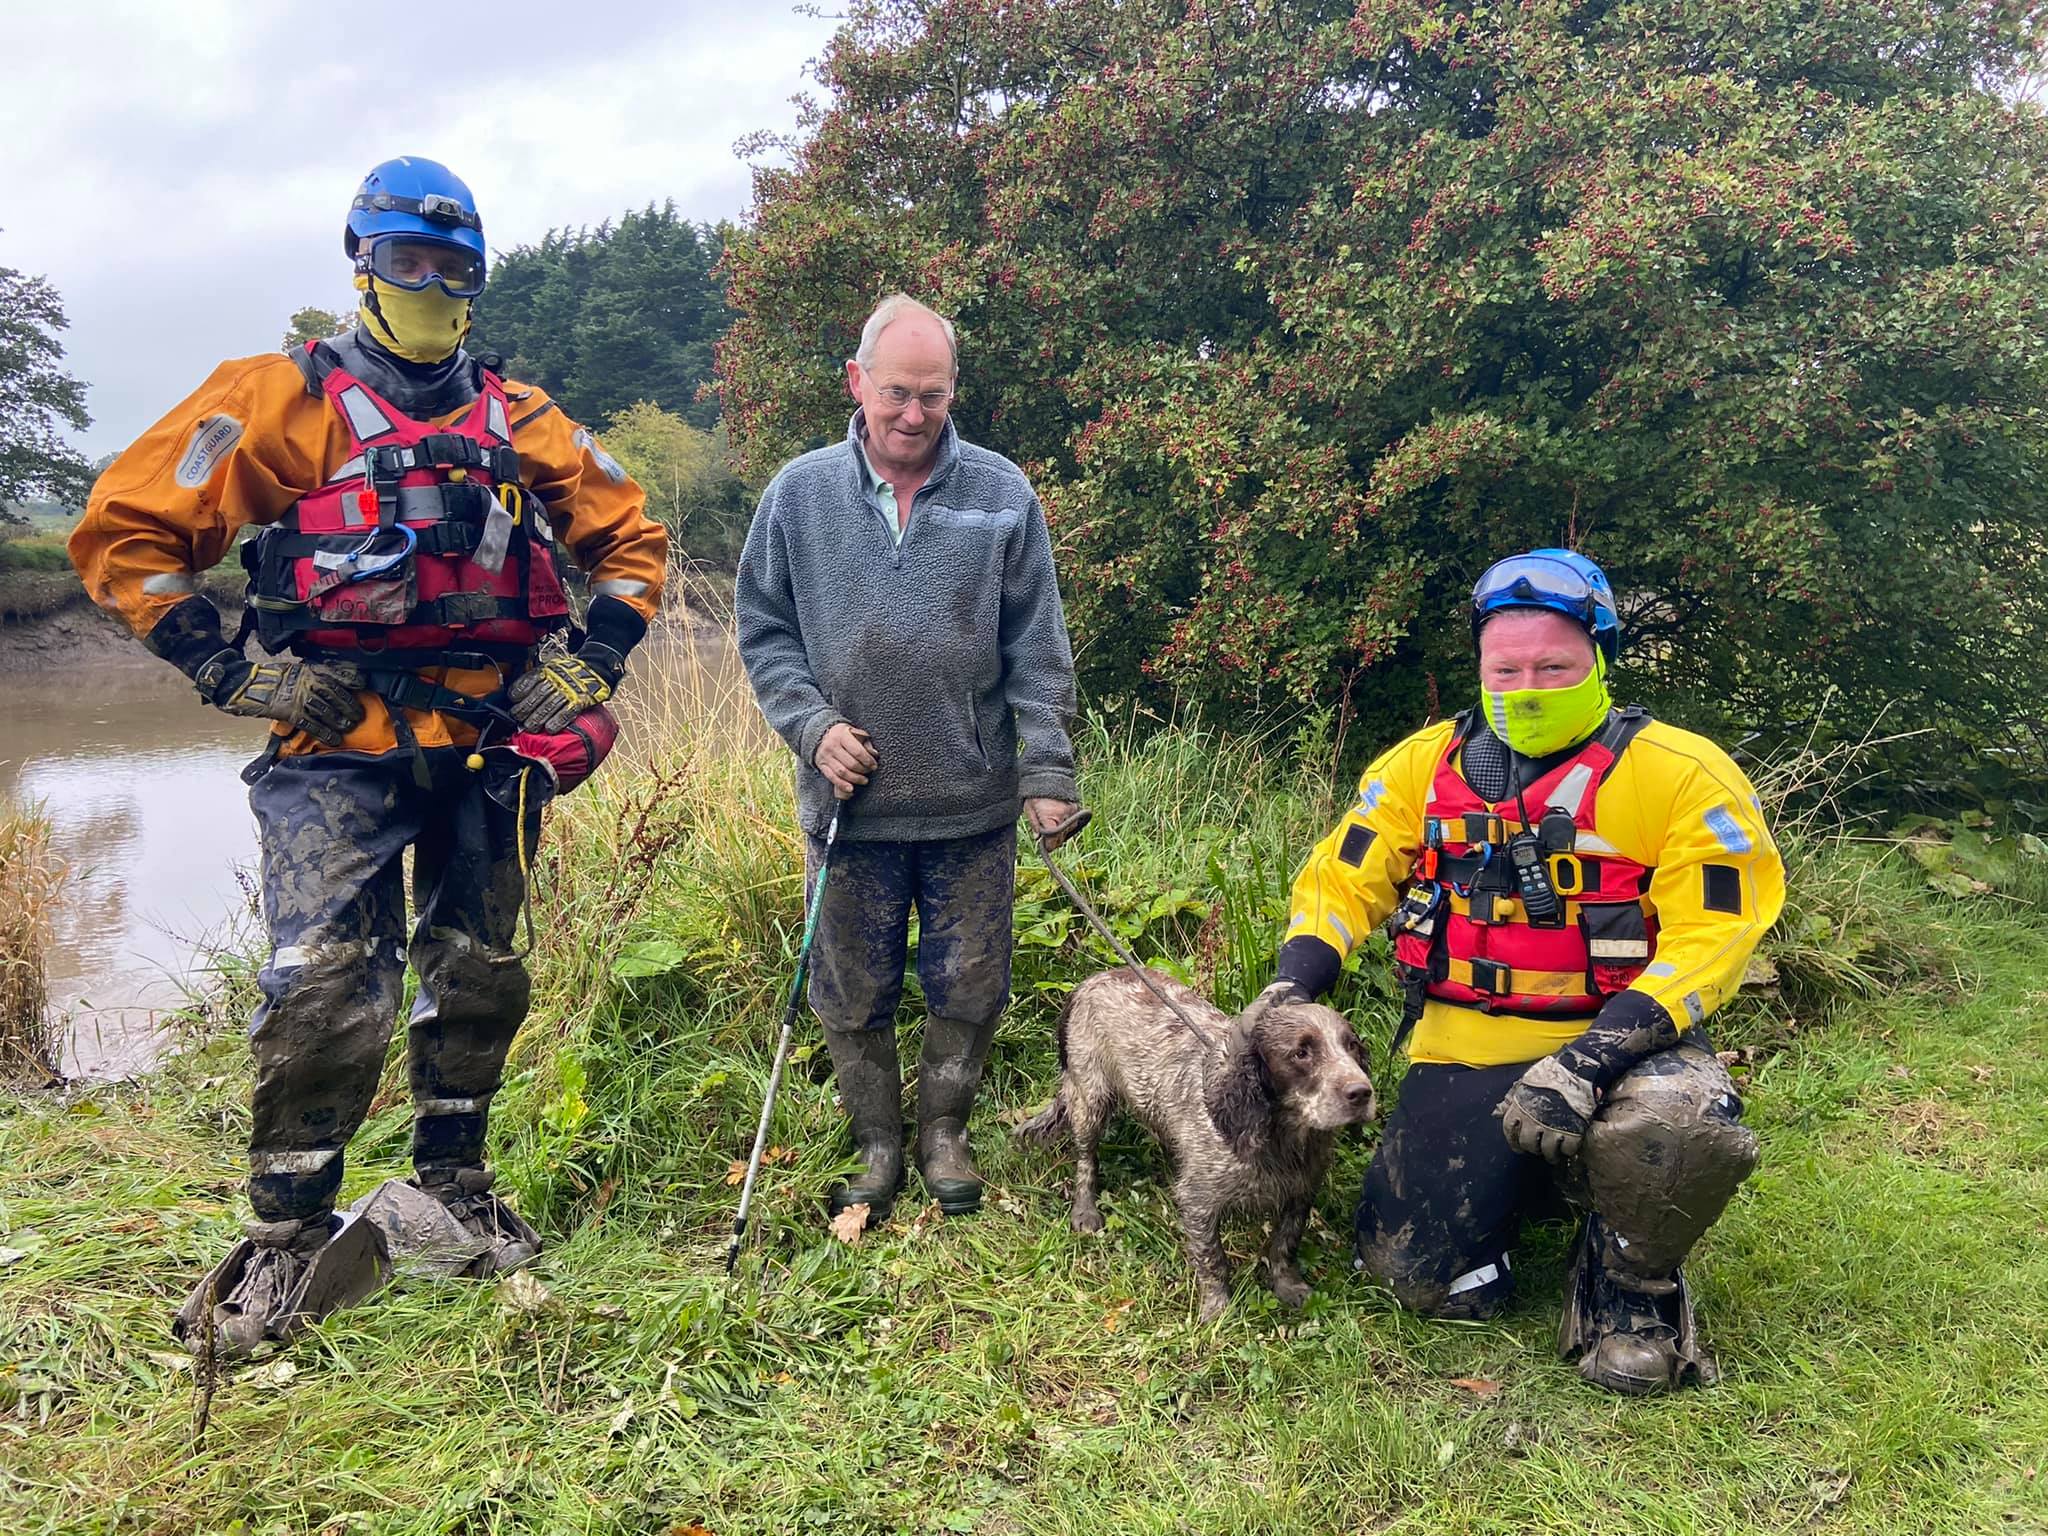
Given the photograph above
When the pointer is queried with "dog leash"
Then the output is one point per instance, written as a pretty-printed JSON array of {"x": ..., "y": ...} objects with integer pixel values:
[{"x": 1071, "y": 827}]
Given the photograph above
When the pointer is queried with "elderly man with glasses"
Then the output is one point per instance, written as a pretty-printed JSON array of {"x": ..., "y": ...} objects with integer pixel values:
[{"x": 901, "y": 625}]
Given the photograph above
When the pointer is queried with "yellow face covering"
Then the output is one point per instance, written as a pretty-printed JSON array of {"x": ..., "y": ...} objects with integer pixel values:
[
  {"x": 420, "y": 326},
  {"x": 1539, "y": 721}
]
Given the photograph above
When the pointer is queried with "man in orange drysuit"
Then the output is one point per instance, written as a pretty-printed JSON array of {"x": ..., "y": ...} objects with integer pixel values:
[{"x": 411, "y": 506}]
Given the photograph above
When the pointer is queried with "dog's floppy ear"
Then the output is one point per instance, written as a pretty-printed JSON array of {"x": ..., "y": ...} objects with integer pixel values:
[{"x": 1239, "y": 1092}]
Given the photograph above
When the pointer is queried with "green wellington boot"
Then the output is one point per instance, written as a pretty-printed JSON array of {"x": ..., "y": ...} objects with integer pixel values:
[
  {"x": 948, "y": 1075},
  {"x": 871, "y": 1088}
]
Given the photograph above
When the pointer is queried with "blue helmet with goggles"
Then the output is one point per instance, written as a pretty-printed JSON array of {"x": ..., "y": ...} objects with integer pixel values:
[
  {"x": 420, "y": 207},
  {"x": 1561, "y": 580}
]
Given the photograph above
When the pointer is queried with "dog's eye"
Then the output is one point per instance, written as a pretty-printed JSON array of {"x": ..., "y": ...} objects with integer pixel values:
[{"x": 1303, "y": 1051}]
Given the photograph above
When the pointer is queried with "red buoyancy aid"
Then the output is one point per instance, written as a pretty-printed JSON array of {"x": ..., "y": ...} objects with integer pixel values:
[
  {"x": 1463, "y": 930},
  {"x": 425, "y": 543}
]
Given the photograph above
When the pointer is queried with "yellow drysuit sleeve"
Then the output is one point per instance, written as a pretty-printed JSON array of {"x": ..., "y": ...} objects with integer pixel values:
[{"x": 1718, "y": 882}]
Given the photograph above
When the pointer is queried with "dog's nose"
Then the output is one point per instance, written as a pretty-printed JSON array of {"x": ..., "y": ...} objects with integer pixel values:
[{"x": 1358, "y": 1093}]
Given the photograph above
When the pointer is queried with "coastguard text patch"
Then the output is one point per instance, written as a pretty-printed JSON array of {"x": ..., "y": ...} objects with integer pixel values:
[
  {"x": 613, "y": 470},
  {"x": 212, "y": 440}
]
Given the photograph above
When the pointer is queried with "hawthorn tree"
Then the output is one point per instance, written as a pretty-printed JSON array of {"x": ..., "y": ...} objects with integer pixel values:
[{"x": 1300, "y": 313}]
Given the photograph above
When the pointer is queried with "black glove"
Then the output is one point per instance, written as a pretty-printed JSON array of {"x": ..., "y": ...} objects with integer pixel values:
[
  {"x": 562, "y": 686},
  {"x": 1546, "y": 1113},
  {"x": 321, "y": 701}
]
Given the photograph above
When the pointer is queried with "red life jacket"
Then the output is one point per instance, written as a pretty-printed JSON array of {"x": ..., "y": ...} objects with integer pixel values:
[
  {"x": 424, "y": 544},
  {"x": 1463, "y": 930}
]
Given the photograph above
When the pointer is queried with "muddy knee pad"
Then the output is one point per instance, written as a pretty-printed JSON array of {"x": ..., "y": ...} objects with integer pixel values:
[
  {"x": 318, "y": 1042},
  {"x": 966, "y": 891},
  {"x": 1664, "y": 1156}
]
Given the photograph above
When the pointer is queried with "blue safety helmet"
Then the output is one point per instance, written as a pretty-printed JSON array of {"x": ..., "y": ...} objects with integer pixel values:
[
  {"x": 421, "y": 200},
  {"x": 1561, "y": 580}
]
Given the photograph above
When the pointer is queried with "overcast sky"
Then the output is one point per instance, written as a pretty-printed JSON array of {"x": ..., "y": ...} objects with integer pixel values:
[{"x": 181, "y": 171}]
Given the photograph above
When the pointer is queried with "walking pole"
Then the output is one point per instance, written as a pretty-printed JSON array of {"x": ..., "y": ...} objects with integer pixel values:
[{"x": 789, "y": 1011}]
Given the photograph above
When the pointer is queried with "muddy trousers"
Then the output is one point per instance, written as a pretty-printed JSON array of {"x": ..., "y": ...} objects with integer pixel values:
[
  {"x": 334, "y": 828},
  {"x": 963, "y": 889},
  {"x": 1445, "y": 1195}
]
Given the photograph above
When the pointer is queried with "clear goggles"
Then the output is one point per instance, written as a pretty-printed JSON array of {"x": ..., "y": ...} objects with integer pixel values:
[
  {"x": 407, "y": 261},
  {"x": 1540, "y": 580}
]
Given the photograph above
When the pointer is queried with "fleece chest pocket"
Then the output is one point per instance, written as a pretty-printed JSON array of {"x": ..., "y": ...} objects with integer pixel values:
[{"x": 1617, "y": 938}]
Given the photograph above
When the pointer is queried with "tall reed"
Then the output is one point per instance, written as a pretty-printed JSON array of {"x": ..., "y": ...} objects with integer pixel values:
[{"x": 31, "y": 881}]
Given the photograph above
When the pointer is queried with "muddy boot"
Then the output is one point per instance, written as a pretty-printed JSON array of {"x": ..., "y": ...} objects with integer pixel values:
[
  {"x": 1630, "y": 1334},
  {"x": 871, "y": 1087},
  {"x": 466, "y": 1193},
  {"x": 279, "y": 1279},
  {"x": 948, "y": 1075}
]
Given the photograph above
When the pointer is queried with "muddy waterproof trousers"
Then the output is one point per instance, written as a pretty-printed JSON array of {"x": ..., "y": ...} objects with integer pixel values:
[
  {"x": 1445, "y": 1195},
  {"x": 334, "y": 829}
]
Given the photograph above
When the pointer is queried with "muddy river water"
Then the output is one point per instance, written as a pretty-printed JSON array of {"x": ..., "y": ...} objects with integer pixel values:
[{"x": 140, "y": 782}]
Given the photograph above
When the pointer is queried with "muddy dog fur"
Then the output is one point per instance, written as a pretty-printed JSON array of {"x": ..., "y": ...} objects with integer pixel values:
[{"x": 1250, "y": 1125}]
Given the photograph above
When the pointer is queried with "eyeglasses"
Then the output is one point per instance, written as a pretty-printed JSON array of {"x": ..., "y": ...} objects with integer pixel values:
[{"x": 896, "y": 397}]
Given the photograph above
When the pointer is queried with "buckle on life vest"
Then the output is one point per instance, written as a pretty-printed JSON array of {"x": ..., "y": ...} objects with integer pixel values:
[
  {"x": 1491, "y": 977},
  {"x": 1485, "y": 827}
]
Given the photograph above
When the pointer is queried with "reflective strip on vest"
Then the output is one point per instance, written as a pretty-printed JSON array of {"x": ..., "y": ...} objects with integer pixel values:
[
  {"x": 364, "y": 419},
  {"x": 1571, "y": 789},
  {"x": 494, "y": 417},
  {"x": 615, "y": 587},
  {"x": 170, "y": 584}
]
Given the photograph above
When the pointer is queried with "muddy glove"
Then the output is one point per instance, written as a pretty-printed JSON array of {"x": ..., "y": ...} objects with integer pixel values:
[
  {"x": 321, "y": 701},
  {"x": 562, "y": 686},
  {"x": 1545, "y": 1114}
]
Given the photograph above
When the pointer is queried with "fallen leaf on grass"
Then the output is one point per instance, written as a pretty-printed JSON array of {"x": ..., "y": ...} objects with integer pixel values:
[
  {"x": 1478, "y": 1386},
  {"x": 521, "y": 1291},
  {"x": 620, "y": 1420},
  {"x": 848, "y": 1225},
  {"x": 12, "y": 1256},
  {"x": 1983, "y": 1074},
  {"x": 737, "y": 1173},
  {"x": 168, "y": 1360},
  {"x": 687, "y": 1530},
  {"x": 1113, "y": 1319},
  {"x": 278, "y": 1374}
]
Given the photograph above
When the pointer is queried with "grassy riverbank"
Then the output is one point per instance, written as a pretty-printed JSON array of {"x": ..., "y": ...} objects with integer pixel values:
[{"x": 1878, "y": 1294}]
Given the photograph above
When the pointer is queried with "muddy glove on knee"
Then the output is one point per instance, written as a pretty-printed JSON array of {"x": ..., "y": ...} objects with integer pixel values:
[
  {"x": 321, "y": 701},
  {"x": 563, "y": 685},
  {"x": 1547, "y": 1111}
]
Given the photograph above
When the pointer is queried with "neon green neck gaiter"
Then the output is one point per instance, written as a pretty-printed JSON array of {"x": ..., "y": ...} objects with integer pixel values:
[
  {"x": 1539, "y": 721},
  {"x": 421, "y": 327}
]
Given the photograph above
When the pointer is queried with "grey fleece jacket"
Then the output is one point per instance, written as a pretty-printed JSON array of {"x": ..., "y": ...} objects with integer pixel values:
[{"x": 950, "y": 650}]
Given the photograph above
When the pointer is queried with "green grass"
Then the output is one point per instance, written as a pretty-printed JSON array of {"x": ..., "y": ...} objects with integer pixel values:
[{"x": 1878, "y": 1294}]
